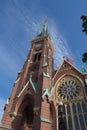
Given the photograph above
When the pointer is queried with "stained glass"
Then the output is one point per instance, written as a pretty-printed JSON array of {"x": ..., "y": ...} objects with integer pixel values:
[
  {"x": 84, "y": 107},
  {"x": 74, "y": 108},
  {"x": 68, "y": 109},
  {"x": 70, "y": 123},
  {"x": 79, "y": 108},
  {"x": 85, "y": 116},
  {"x": 69, "y": 90},
  {"x": 82, "y": 122},
  {"x": 76, "y": 123}
]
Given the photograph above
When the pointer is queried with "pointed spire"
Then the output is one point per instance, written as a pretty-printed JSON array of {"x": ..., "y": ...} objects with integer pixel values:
[
  {"x": 45, "y": 28},
  {"x": 44, "y": 31}
]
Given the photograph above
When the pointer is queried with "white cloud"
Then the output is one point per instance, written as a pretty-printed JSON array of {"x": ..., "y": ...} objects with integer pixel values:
[
  {"x": 2, "y": 103},
  {"x": 60, "y": 44}
]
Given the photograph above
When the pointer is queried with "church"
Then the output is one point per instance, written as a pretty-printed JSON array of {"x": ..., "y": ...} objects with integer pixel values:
[{"x": 44, "y": 98}]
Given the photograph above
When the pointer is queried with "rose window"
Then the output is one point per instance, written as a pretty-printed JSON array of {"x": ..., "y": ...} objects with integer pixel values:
[{"x": 69, "y": 89}]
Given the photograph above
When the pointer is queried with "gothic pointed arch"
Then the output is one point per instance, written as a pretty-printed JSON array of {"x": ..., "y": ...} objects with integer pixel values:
[
  {"x": 26, "y": 115},
  {"x": 69, "y": 89}
]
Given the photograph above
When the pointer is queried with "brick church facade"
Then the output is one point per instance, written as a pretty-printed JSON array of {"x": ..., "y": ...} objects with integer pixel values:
[{"x": 44, "y": 98}]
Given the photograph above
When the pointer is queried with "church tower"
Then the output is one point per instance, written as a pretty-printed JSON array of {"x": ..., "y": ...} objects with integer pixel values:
[
  {"x": 28, "y": 107},
  {"x": 46, "y": 99}
]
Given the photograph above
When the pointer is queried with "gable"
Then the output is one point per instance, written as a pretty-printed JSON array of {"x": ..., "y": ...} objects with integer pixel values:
[{"x": 67, "y": 68}]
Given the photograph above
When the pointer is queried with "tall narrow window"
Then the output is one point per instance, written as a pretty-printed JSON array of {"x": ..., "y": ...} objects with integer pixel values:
[
  {"x": 74, "y": 108},
  {"x": 64, "y": 112},
  {"x": 76, "y": 123},
  {"x": 79, "y": 108},
  {"x": 85, "y": 116},
  {"x": 68, "y": 109},
  {"x": 70, "y": 123},
  {"x": 28, "y": 115},
  {"x": 84, "y": 107},
  {"x": 82, "y": 125},
  {"x": 69, "y": 91},
  {"x": 37, "y": 57}
]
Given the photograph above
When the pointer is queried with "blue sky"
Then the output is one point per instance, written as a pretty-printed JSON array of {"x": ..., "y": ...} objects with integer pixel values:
[{"x": 21, "y": 20}]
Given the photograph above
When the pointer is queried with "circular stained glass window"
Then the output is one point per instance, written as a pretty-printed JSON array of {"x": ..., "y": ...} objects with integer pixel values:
[{"x": 69, "y": 89}]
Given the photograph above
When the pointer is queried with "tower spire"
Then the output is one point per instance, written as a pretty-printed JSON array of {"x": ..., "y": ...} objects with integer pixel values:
[{"x": 44, "y": 31}]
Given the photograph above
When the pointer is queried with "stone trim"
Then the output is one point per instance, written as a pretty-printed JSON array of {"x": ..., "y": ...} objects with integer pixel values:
[
  {"x": 36, "y": 110},
  {"x": 46, "y": 75},
  {"x": 14, "y": 114},
  {"x": 17, "y": 80},
  {"x": 86, "y": 81},
  {"x": 45, "y": 64},
  {"x": 5, "y": 127},
  {"x": 45, "y": 120},
  {"x": 23, "y": 89}
]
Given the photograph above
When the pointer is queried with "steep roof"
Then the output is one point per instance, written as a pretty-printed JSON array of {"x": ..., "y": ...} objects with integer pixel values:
[{"x": 66, "y": 65}]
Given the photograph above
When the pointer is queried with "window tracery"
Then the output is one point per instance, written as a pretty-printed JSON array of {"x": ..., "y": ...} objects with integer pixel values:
[{"x": 70, "y": 92}]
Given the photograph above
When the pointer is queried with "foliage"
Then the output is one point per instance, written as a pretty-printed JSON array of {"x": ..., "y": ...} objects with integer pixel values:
[
  {"x": 84, "y": 58},
  {"x": 84, "y": 24}
]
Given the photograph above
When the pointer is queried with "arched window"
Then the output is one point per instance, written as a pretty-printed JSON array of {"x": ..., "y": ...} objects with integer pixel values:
[
  {"x": 68, "y": 109},
  {"x": 85, "y": 116},
  {"x": 64, "y": 112},
  {"x": 28, "y": 115},
  {"x": 70, "y": 123},
  {"x": 79, "y": 108},
  {"x": 37, "y": 57},
  {"x": 84, "y": 107},
  {"x": 70, "y": 92},
  {"x": 76, "y": 122},
  {"x": 74, "y": 108},
  {"x": 82, "y": 125}
]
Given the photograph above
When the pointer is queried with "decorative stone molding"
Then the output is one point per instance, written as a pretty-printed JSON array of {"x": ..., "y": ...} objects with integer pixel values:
[
  {"x": 14, "y": 114},
  {"x": 6, "y": 128},
  {"x": 17, "y": 80},
  {"x": 23, "y": 89},
  {"x": 28, "y": 125},
  {"x": 45, "y": 64},
  {"x": 86, "y": 81},
  {"x": 45, "y": 92},
  {"x": 45, "y": 120},
  {"x": 46, "y": 75}
]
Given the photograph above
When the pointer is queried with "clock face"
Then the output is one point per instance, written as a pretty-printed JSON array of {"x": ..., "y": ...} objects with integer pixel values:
[{"x": 69, "y": 89}]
